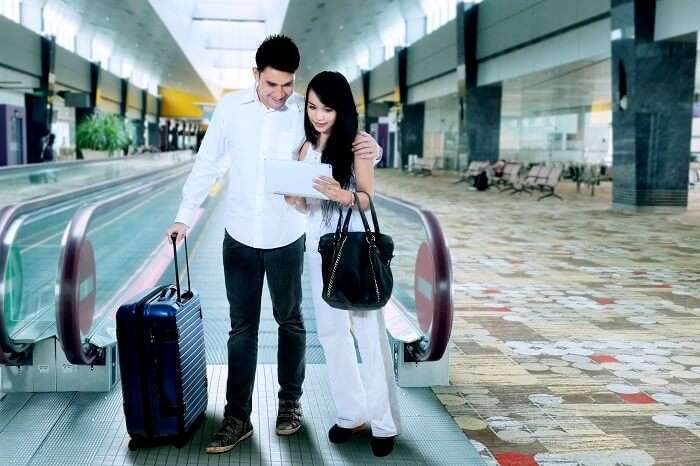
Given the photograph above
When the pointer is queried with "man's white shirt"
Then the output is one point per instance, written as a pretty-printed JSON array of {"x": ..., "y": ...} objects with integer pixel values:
[{"x": 241, "y": 135}]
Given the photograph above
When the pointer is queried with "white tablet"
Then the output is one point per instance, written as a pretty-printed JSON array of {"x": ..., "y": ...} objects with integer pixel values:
[{"x": 294, "y": 178}]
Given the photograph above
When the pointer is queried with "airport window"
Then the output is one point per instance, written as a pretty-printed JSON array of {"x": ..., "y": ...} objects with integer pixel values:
[
  {"x": 393, "y": 37},
  {"x": 100, "y": 53},
  {"x": 11, "y": 9},
  {"x": 58, "y": 23},
  {"x": 440, "y": 12}
]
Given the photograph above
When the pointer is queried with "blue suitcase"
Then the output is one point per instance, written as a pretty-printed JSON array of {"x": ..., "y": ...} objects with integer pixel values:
[{"x": 163, "y": 364}]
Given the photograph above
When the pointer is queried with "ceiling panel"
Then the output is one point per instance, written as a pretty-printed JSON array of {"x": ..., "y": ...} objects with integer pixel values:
[{"x": 134, "y": 33}]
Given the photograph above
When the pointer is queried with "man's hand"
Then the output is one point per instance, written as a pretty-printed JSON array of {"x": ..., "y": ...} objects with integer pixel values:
[
  {"x": 365, "y": 146},
  {"x": 178, "y": 230}
]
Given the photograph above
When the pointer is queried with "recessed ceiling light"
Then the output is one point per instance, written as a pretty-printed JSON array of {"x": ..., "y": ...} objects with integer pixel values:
[{"x": 341, "y": 27}]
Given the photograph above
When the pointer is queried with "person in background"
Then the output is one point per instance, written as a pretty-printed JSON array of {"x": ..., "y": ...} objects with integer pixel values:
[{"x": 47, "y": 153}]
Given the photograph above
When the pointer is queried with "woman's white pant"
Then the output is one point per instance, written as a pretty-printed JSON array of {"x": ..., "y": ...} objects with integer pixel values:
[{"x": 370, "y": 397}]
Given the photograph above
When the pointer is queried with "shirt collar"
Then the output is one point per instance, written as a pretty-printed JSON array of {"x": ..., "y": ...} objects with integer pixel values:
[{"x": 291, "y": 103}]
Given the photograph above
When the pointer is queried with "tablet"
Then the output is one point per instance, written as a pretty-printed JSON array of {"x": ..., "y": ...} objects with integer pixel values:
[{"x": 294, "y": 178}]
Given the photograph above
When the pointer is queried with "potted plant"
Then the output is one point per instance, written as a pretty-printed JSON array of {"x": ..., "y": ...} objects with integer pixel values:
[{"x": 101, "y": 136}]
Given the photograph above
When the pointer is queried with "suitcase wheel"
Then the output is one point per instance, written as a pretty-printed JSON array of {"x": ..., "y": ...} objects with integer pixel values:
[
  {"x": 134, "y": 445},
  {"x": 180, "y": 441}
]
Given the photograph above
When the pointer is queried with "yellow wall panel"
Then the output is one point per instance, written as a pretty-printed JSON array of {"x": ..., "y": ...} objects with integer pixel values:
[{"x": 177, "y": 104}]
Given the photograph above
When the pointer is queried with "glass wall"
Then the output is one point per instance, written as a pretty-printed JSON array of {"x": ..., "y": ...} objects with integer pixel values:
[
  {"x": 441, "y": 130},
  {"x": 576, "y": 136}
]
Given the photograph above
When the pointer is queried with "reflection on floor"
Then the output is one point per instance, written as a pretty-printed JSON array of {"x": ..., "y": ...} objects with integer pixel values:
[{"x": 576, "y": 336}]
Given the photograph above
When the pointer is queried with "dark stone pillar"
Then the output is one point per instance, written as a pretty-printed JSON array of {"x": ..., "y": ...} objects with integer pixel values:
[
  {"x": 81, "y": 114},
  {"x": 124, "y": 97},
  {"x": 653, "y": 85},
  {"x": 365, "y": 97},
  {"x": 141, "y": 122},
  {"x": 480, "y": 106},
  {"x": 412, "y": 126},
  {"x": 39, "y": 105}
]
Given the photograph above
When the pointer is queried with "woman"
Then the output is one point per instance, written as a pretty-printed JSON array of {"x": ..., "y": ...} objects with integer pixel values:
[{"x": 330, "y": 122}]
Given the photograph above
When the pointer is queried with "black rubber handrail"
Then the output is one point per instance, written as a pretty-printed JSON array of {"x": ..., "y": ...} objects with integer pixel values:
[
  {"x": 12, "y": 352},
  {"x": 77, "y": 350},
  {"x": 434, "y": 348}
]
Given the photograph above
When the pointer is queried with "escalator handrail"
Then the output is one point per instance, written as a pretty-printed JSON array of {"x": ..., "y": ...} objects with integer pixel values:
[
  {"x": 11, "y": 351},
  {"x": 443, "y": 303},
  {"x": 12, "y": 169},
  {"x": 74, "y": 236}
]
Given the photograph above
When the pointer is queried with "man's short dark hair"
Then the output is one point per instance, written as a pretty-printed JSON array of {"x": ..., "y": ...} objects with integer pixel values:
[{"x": 278, "y": 52}]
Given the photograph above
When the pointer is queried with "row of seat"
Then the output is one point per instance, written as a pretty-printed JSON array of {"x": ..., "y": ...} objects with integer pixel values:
[{"x": 540, "y": 177}]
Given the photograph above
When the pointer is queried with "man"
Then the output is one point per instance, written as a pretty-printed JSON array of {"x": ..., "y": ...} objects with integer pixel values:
[
  {"x": 264, "y": 235},
  {"x": 47, "y": 153}
]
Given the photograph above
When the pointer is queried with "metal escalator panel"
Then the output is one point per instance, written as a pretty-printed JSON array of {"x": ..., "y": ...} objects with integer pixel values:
[
  {"x": 113, "y": 250},
  {"x": 19, "y": 183},
  {"x": 422, "y": 274},
  {"x": 31, "y": 245}
]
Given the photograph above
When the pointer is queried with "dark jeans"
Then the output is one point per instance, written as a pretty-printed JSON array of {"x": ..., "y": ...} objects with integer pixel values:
[{"x": 244, "y": 270}]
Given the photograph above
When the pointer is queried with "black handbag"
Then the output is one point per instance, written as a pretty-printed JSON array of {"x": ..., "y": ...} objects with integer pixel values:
[{"x": 356, "y": 266}]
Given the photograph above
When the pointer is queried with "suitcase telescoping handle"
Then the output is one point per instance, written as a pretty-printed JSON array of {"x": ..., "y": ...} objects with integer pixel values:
[{"x": 188, "y": 294}]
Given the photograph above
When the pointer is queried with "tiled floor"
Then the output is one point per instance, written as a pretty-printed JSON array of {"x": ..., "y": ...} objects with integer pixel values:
[{"x": 576, "y": 337}]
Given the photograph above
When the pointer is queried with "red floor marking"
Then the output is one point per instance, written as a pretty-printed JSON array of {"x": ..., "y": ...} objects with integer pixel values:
[
  {"x": 665, "y": 285},
  {"x": 638, "y": 272},
  {"x": 502, "y": 309},
  {"x": 638, "y": 398},
  {"x": 492, "y": 291},
  {"x": 603, "y": 358},
  {"x": 605, "y": 301},
  {"x": 512, "y": 458}
]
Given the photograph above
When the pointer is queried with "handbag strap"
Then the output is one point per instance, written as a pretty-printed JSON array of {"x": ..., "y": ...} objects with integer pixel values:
[
  {"x": 342, "y": 227},
  {"x": 372, "y": 210}
]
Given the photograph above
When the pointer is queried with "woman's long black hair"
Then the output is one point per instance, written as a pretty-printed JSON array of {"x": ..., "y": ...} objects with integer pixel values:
[{"x": 334, "y": 92}]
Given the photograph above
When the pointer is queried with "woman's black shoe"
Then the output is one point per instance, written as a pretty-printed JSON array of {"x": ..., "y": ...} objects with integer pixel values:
[
  {"x": 382, "y": 446},
  {"x": 339, "y": 434}
]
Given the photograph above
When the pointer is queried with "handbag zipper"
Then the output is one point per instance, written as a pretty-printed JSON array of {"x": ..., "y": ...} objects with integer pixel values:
[
  {"x": 374, "y": 275},
  {"x": 335, "y": 267}
]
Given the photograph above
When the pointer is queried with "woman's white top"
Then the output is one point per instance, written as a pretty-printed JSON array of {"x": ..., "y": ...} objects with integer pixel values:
[{"x": 315, "y": 226}]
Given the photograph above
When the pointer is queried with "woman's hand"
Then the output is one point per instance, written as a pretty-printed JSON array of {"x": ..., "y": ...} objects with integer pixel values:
[
  {"x": 329, "y": 187},
  {"x": 291, "y": 200},
  {"x": 297, "y": 202}
]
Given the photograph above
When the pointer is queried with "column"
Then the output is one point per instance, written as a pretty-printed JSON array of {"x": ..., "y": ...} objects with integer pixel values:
[
  {"x": 141, "y": 122},
  {"x": 480, "y": 106},
  {"x": 412, "y": 115},
  {"x": 653, "y": 85},
  {"x": 39, "y": 104},
  {"x": 124, "y": 97}
]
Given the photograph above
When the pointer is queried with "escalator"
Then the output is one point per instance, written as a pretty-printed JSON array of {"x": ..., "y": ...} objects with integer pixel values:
[
  {"x": 31, "y": 242},
  {"x": 86, "y": 255}
]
